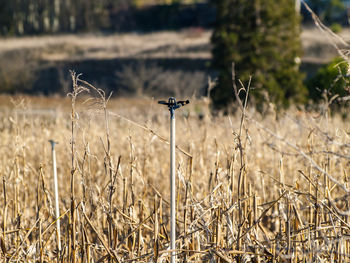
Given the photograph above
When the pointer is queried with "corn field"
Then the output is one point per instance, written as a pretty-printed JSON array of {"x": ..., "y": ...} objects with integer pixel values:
[{"x": 250, "y": 187}]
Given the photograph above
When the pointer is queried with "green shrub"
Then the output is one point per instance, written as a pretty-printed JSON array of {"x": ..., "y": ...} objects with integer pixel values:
[
  {"x": 336, "y": 28},
  {"x": 331, "y": 79}
]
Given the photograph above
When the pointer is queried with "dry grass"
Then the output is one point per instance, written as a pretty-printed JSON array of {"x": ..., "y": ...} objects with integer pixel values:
[{"x": 274, "y": 189}]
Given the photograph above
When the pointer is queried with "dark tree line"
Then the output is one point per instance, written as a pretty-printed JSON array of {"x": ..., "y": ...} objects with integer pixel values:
[
  {"x": 25, "y": 17},
  {"x": 19, "y": 17}
]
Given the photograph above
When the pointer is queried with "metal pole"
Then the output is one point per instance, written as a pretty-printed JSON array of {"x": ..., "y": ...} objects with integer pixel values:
[
  {"x": 173, "y": 105},
  {"x": 53, "y": 143},
  {"x": 172, "y": 186}
]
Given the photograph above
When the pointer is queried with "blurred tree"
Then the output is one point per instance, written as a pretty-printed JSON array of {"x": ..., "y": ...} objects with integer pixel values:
[
  {"x": 333, "y": 11},
  {"x": 262, "y": 39},
  {"x": 65, "y": 14},
  {"x": 6, "y": 17},
  {"x": 329, "y": 10},
  {"x": 41, "y": 7}
]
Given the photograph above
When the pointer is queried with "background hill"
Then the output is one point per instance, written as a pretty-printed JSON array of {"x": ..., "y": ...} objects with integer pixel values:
[
  {"x": 152, "y": 48},
  {"x": 111, "y": 61}
]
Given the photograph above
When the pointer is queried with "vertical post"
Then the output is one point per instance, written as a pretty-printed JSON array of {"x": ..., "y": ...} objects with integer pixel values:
[
  {"x": 172, "y": 186},
  {"x": 53, "y": 143},
  {"x": 298, "y": 6},
  {"x": 173, "y": 105}
]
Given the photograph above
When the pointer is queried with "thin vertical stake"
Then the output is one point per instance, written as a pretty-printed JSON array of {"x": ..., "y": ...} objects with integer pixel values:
[
  {"x": 172, "y": 186},
  {"x": 173, "y": 105},
  {"x": 53, "y": 143}
]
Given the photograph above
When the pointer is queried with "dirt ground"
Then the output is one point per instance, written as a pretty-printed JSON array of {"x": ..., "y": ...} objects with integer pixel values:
[{"x": 190, "y": 43}]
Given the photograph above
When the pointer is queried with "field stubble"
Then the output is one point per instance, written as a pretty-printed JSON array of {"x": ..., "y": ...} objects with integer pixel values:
[{"x": 272, "y": 190}]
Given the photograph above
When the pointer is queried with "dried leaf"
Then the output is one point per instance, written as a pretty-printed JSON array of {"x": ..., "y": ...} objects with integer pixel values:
[{"x": 3, "y": 247}]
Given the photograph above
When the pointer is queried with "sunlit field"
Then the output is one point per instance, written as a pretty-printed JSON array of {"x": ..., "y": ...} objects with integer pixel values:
[{"x": 250, "y": 188}]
